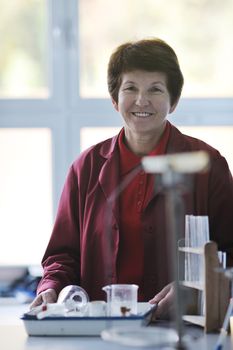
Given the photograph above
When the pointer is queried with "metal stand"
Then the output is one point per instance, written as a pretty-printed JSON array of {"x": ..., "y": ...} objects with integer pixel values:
[
  {"x": 175, "y": 214},
  {"x": 172, "y": 167}
]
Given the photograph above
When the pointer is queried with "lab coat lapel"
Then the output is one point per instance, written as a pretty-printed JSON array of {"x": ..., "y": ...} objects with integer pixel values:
[
  {"x": 109, "y": 182},
  {"x": 175, "y": 145}
]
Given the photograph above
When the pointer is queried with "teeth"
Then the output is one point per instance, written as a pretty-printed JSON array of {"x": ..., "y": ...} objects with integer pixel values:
[{"x": 142, "y": 114}]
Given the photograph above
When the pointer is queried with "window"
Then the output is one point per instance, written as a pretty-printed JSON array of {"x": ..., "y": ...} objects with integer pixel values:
[
  {"x": 24, "y": 56},
  {"x": 26, "y": 198},
  {"x": 28, "y": 131},
  {"x": 193, "y": 28}
]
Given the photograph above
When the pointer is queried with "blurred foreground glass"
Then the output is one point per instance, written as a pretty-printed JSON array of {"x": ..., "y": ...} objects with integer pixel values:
[
  {"x": 23, "y": 47},
  {"x": 199, "y": 31},
  {"x": 26, "y": 195}
]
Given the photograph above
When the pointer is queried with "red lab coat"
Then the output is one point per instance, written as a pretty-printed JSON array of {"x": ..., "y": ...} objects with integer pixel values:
[{"x": 79, "y": 251}]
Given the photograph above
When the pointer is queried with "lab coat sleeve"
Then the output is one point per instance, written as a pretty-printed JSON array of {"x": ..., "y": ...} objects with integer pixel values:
[{"x": 220, "y": 203}]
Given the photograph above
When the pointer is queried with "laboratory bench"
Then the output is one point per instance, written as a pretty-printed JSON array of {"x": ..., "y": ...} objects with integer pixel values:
[{"x": 14, "y": 337}]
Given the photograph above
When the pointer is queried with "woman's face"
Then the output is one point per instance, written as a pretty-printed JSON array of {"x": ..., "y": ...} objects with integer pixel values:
[{"x": 143, "y": 101}]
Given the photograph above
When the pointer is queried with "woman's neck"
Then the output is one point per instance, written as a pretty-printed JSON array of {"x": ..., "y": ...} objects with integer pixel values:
[{"x": 142, "y": 144}]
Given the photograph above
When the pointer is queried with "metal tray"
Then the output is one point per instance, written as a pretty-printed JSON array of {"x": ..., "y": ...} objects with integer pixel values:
[{"x": 86, "y": 325}]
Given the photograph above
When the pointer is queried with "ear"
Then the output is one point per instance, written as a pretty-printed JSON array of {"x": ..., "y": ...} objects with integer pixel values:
[
  {"x": 115, "y": 105},
  {"x": 173, "y": 107}
]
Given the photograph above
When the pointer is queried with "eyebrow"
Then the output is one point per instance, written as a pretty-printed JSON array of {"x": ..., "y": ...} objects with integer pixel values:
[{"x": 153, "y": 83}]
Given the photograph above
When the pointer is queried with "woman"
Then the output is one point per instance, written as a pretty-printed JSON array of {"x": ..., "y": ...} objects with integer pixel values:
[{"x": 105, "y": 233}]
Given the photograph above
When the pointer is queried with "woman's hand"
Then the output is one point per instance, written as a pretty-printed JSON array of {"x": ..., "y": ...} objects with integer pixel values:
[
  {"x": 164, "y": 299},
  {"x": 47, "y": 296}
]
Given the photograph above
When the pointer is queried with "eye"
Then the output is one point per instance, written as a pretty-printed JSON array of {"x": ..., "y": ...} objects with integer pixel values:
[
  {"x": 155, "y": 89},
  {"x": 129, "y": 88}
]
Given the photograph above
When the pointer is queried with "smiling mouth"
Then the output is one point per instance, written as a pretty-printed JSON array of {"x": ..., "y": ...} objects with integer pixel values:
[{"x": 142, "y": 114}]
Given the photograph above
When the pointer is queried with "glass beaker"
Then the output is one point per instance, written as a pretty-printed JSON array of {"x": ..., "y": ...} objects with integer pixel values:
[{"x": 122, "y": 299}]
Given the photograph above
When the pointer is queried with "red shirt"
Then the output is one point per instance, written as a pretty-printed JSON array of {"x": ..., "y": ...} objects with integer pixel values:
[{"x": 132, "y": 203}]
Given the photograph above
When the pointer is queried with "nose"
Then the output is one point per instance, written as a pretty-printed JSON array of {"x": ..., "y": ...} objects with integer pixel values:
[{"x": 142, "y": 100}]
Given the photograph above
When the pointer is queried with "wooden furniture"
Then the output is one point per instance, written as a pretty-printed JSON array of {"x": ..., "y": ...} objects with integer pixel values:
[{"x": 214, "y": 287}]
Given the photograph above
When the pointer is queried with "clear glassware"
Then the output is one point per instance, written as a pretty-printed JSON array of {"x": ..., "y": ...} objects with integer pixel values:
[
  {"x": 75, "y": 299},
  {"x": 121, "y": 299}
]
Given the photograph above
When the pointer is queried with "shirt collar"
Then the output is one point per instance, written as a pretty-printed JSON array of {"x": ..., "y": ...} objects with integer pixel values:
[{"x": 129, "y": 160}]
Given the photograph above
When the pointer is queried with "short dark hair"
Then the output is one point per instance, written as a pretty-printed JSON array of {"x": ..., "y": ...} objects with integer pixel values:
[{"x": 153, "y": 55}]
